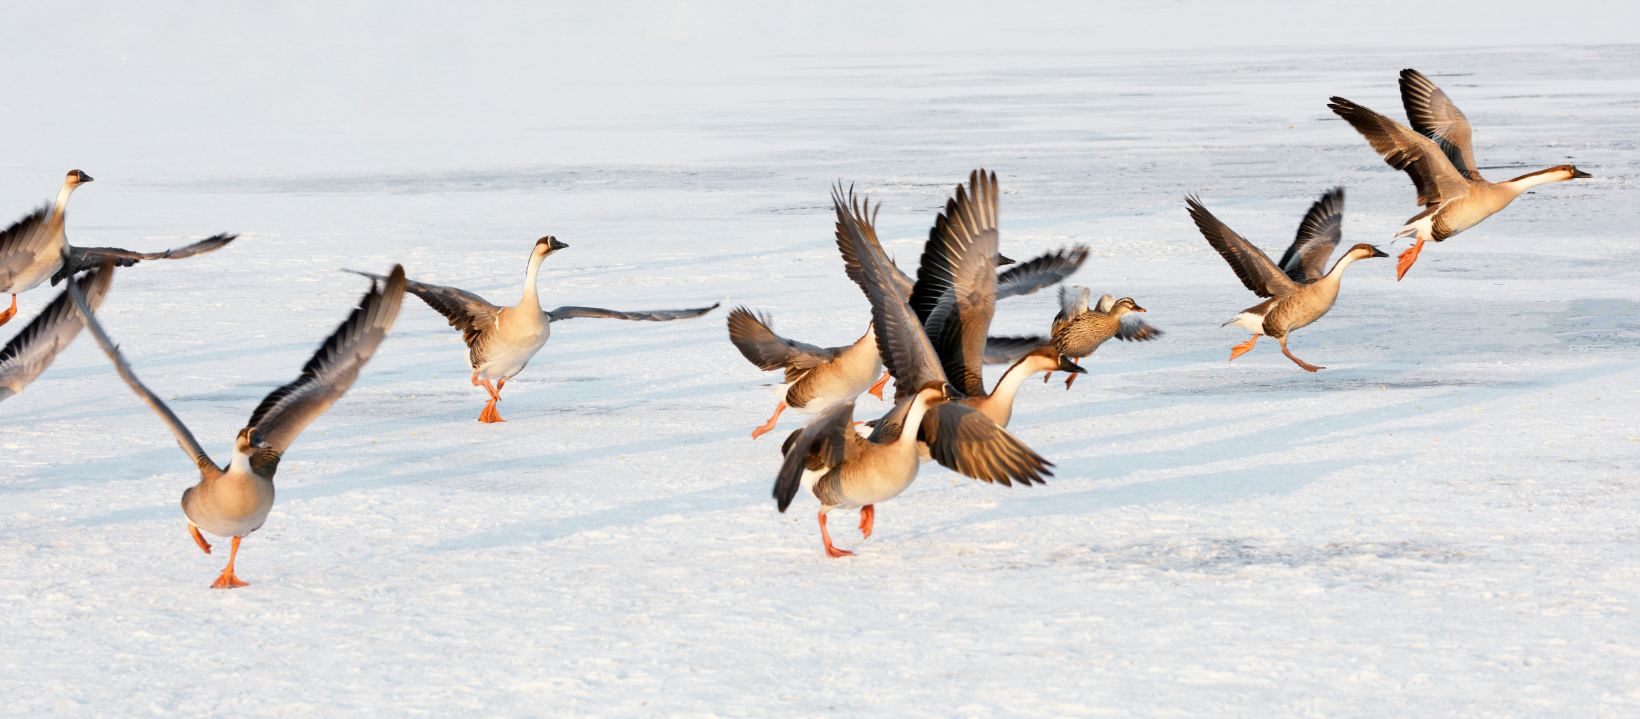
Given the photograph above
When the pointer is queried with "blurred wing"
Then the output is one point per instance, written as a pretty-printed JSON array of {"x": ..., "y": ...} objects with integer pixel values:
[
  {"x": 85, "y": 258},
  {"x": 1133, "y": 329},
  {"x": 956, "y": 291},
  {"x": 23, "y": 241},
  {"x": 1434, "y": 116},
  {"x": 762, "y": 347},
  {"x": 570, "y": 313},
  {"x": 466, "y": 311},
  {"x": 1432, "y": 174},
  {"x": 1008, "y": 350},
  {"x": 820, "y": 443},
  {"x": 964, "y": 440},
  {"x": 286, "y": 411},
  {"x": 1306, "y": 259},
  {"x": 28, "y": 354},
  {"x": 1044, "y": 271},
  {"x": 1250, "y": 263}
]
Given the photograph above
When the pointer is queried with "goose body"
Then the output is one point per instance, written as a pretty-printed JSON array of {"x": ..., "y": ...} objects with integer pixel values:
[
  {"x": 1298, "y": 292},
  {"x": 1437, "y": 153},
  {"x": 815, "y": 377}
]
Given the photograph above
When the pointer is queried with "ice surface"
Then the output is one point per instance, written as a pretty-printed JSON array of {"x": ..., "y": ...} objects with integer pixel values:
[{"x": 1439, "y": 524}]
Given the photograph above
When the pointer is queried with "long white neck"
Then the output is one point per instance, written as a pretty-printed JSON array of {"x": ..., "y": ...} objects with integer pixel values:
[
  {"x": 913, "y": 420},
  {"x": 62, "y": 201},
  {"x": 1337, "y": 271},
  {"x": 1001, "y": 399},
  {"x": 531, "y": 300},
  {"x": 1527, "y": 182},
  {"x": 240, "y": 463}
]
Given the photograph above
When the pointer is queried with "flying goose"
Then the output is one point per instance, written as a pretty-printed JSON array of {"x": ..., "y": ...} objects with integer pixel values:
[
  {"x": 1299, "y": 292},
  {"x": 28, "y": 354},
  {"x": 844, "y": 470},
  {"x": 1436, "y": 153},
  {"x": 502, "y": 340},
  {"x": 32, "y": 249},
  {"x": 233, "y": 501},
  {"x": 816, "y": 377}
]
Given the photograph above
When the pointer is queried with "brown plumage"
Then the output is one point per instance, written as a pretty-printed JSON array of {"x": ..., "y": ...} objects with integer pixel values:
[{"x": 815, "y": 377}]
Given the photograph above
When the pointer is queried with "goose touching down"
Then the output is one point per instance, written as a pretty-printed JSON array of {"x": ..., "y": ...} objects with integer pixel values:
[
  {"x": 233, "y": 501},
  {"x": 32, "y": 249},
  {"x": 28, "y": 354},
  {"x": 1436, "y": 153},
  {"x": 816, "y": 377},
  {"x": 502, "y": 340},
  {"x": 1299, "y": 292}
]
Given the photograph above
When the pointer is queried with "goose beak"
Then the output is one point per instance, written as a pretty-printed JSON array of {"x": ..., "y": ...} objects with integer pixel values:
[
  {"x": 1576, "y": 173},
  {"x": 1378, "y": 253},
  {"x": 1066, "y": 365},
  {"x": 81, "y": 177},
  {"x": 552, "y": 243}
]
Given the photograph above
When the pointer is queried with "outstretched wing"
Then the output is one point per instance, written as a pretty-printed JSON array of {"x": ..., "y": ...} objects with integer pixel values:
[
  {"x": 1434, "y": 116},
  {"x": 1250, "y": 263},
  {"x": 32, "y": 350},
  {"x": 85, "y": 258},
  {"x": 569, "y": 313},
  {"x": 1008, "y": 350},
  {"x": 185, "y": 439},
  {"x": 1306, "y": 259},
  {"x": 966, "y": 441},
  {"x": 20, "y": 244},
  {"x": 956, "y": 292},
  {"x": 851, "y": 256},
  {"x": 819, "y": 444},
  {"x": 1133, "y": 329},
  {"x": 1434, "y": 176},
  {"x": 762, "y": 347},
  {"x": 1040, "y": 272},
  {"x": 466, "y": 311},
  {"x": 284, "y": 413}
]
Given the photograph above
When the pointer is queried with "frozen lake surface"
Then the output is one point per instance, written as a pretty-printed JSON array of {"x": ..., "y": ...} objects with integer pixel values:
[{"x": 1439, "y": 524}]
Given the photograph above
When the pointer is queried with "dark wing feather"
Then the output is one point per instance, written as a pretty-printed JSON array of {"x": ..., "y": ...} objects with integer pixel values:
[
  {"x": 85, "y": 258},
  {"x": 185, "y": 438},
  {"x": 1040, "y": 272},
  {"x": 569, "y": 313},
  {"x": 759, "y": 344},
  {"x": 1432, "y": 174},
  {"x": 851, "y": 256},
  {"x": 966, "y": 441},
  {"x": 28, "y": 354},
  {"x": 1250, "y": 263},
  {"x": 1434, "y": 116},
  {"x": 821, "y": 442},
  {"x": 466, "y": 311},
  {"x": 1008, "y": 350},
  {"x": 21, "y": 243},
  {"x": 956, "y": 291},
  {"x": 1133, "y": 329},
  {"x": 284, "y": 413},
  {"x": 1306, "y": 259}
]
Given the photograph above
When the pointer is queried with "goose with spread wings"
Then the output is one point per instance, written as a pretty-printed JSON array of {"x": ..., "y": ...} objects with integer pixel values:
[
  {"x": 502, "y": 340},
  {"x": 816, "y": 377},
  {"x": 32, "y": 250},
  {"x": 1437, "y": 153},
  {"x": 233, "y": 501},
  {"x": 1298, "y": 291},
  {"x": 28, "y": 354}
]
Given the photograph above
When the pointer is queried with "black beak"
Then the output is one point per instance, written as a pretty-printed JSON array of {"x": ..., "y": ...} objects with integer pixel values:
[
  {"x": 1004, "y": 260},
  {"x": 552, "y": 243},
  {"x": 83, "y": 177},
  {"x": 1576, "y": 173},
  {"x": 1379, "y": 253},
  {"x": 950, "y": 392},
  {"x": 1066, "y": 365}
]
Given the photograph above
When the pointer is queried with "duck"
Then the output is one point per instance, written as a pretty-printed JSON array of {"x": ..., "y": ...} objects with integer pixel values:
[
  {"x": 1299, "y": 292},
  {"x": 234, "y": 501},
  {"x": 1078, "y": 330},
  {"x": 27, "y": 355},
  {"x": 32, "y": 249},
  {"x": 829, "y": 459},
  {"x": 1436, "y": 152},
  {"x": 502, "y": 340},
  {"x": 815, "y": 377}
]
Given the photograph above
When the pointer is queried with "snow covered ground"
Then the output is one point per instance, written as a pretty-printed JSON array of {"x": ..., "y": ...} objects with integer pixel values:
[{"x": 1439, "y": 524}]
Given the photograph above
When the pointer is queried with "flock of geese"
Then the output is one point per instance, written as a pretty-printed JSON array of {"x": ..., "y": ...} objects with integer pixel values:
[{"x": 930, "y": 335}]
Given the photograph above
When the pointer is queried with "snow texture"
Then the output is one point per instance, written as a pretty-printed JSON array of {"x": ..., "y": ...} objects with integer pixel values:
[{"x": 1439, "y": 524}]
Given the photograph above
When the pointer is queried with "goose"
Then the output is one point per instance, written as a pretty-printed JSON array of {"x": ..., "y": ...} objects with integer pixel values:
[
  {"x": 28, "y": 354},
  {"x": 32, "y": 249},
  {"x": 233, "y": 501},
  {"x": 502, "y": 340},
  {"x": 1437, "y": 154},
  {"x": 1299, "y": 292},
  {"x": 843, "y": 470},
  {"x": 816, "y": 377}
]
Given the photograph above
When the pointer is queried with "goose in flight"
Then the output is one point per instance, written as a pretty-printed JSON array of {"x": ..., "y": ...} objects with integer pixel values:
[
  {"x": 1299, "y": 292},
  {"x": 28, "y": 354},
  {"x": 816, "y": 377},
  {"x": 1437, "y": 154},
  {"x": 233, "y": 501},
  {"x": 32, "y": 249},
  {"x": 502, "y": 340}
]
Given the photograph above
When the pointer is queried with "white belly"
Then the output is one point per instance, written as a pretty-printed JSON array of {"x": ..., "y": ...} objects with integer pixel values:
[{"x": 505, "y": 359}]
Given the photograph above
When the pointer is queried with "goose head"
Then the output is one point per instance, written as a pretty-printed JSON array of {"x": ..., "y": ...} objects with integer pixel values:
[
  {"x": 76, "y": 178},
  {"x": 1048, "y": 359},
  {"x": 1364, "y": 251},
  {"x": 547, "y": 245},
  {"x": 249, "y": 440},
  {"x": 1574, "y": 172}
]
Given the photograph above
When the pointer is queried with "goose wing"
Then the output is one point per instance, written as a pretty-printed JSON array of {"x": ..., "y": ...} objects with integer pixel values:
[
  {"x": 1306, "y": 259},
  {"x": 956, "y": 292},
  {"x": 1404, "y": 149},
  {"x": 1008, "y": 350},
  {"x": 1434, "y": 116},
  {"x": 32, "y": 350},
  {"x": 759, "y": 344},
  {"x": 85, "y": 258},
  {"x": 185, "y": 439},
  {"x": 819, "y": 443},
  {"x": 286, "y": 411},
  {"x": 1250, "y": 263},
  {"x": 466, "y": 311},
  {"x": 852, "y": 256},
  {"x": 569, "y": 313},
  {"x": 966, "y": 441},
  {"x": 1040, "y": 272},
  {"x": 20, "y": 243}
]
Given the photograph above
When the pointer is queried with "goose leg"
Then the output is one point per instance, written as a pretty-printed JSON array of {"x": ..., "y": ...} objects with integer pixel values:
[
  {"x": 1405, "y": 260},
  {"x": 877, "y": 389},
  {"x": 198, "y": 538},
  {"x": 1307, "y": 366},
  {"x": 868, "y": 518},
  {"x": 825, "y": 536},
  {"x": 228, "y": 580},
  {"x": 769, "y": 425},
  {"x": 489, "y": 414},
  {"x": 1247, "y": 346},
  {"x": 8, "y": 314}
]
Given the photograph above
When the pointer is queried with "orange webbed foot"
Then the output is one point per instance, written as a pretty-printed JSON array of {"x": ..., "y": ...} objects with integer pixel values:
[
  {"x": 769, "y": 425},
  {"x": 199, "y": 539},
  {"x": 877, "y": 389},
  {"x": 1243, "y": 348},
  {"x": 825, "y": 536},
  {"x": 868, "y": 519},
  {"x": 1403, "y": 262},
  {"x": 228, "y": 581},
  {"x": 836, "y": 553},
  {"x": 1301, "y": 363},
  {"x": 8, "y": 314}
]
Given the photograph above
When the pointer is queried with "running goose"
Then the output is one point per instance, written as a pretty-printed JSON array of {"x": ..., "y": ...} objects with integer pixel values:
[
  {"x": 233, "y": 501},
  {"x": 28, "y": 354},
  {"x": 32, "y": 249},
  {"x": 843, "y": 470},
  {"x": 502, "y": 340},
  {"x": 1299, "y": 293},
  {"x": 816, "y": 377},
  {"x": 1436, "y": 153}
]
